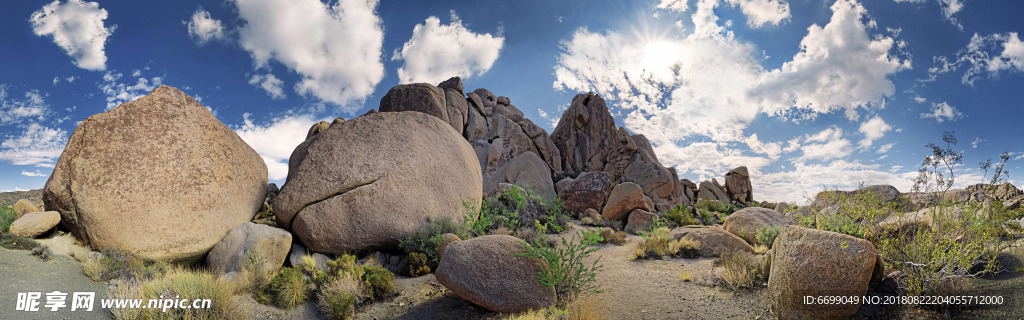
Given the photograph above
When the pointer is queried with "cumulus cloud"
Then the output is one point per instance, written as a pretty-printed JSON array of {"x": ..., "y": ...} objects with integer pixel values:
[
  {"x": 436, "y": 52},
  {"x": 118, "y": 92},
  {"x": 31, "y": 106},
  {"x": 203, "y": 28},
  {"x": 36, "y": 145},
  {"x": 942, "y": 111},
  {"x": 270, "y": 84},
  {"x": 873, "y": 129},
  {"x": 276, "y": 140},
  {"x": 984, "y": 56},
  {"x": 759, "y": 12},
  {"x": 885, "y": 148},
  {"x": 805, "y": 180},
  {"x": 706, "y": 160},
  {"x": 826, "y": 145},
  {"x": 33, "y": 173},
  {"x": 673, "y": 5},
  {"x": 77, "y": 27},
  {"x": 335, "y": 48},
  {"x": 770, "y": 149}
]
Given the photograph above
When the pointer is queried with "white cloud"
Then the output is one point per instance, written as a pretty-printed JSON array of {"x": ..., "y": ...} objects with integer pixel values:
[
  {"x": 826, "y": 145},
  {"x": 770, "y": 149},
  {"x": 948, "y": 8},
  {"x": 203, "y": 28},
  {"x": 276, "y": 140},
  {"x": 335, "y": 48},
  {"x": 974, "y": 144},
  {"x": 118, "y": 92},
  {"x": 943, "y": 112},
  {"x": 919, "y": 99},
  {"x": 706, "y": 160},
  {"x": 31, "y": 106},
  {"x": 77, "y": 27},
  {"x": 270, "y": 84},
  {"x": 33, "y": 174},
  {"x": 806, "y": 180},
  {"x": 436, "y": 52},
  {"x": 673, "y": 5},
  {"x": 36, "y": 145},
  {"x": 885, "y": 148},
  {"x": 759, "y": 12},
  {"x": 873, "y": 129},
  {"x": 984, "y": 56}
]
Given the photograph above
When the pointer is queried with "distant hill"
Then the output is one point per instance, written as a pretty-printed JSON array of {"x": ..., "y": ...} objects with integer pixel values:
[{"x": 9, "y": 198}]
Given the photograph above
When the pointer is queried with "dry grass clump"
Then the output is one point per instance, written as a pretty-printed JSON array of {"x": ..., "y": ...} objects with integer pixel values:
[
  {"x": 659, "y": 243},
  {"x": 609, "y": 235},
  {"x": 338, "y": 298},
  {"x": 583, "y": 309},
  {"x": 685, "y": 276},
  {"x": 740, "y": 270},
  {"x": 116, "y": 264},
  {"x": 180, "y": 283}
]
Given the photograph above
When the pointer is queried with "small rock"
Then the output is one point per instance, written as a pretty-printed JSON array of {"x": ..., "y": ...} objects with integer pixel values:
[{"x": 34, "y": 224}]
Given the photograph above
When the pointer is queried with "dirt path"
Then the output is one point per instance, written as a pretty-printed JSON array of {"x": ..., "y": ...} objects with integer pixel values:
[{"x": 22, "y": 272}]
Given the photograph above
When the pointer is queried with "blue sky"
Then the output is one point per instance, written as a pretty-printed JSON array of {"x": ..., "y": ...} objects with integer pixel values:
[{"x": 805, "y": 93}]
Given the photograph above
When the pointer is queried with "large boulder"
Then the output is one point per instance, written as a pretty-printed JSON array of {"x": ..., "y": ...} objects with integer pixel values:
[
  {"x": 265, "y": 243},
  {"x": 159, "y": 177},
  {"x": 34, "y": 224},
  {"x": 24, "y": 206},
  {"x": 639, "y": 220},
  {"x": 373, "y": 180},
  {"x": 710, "y": 191},
  {"x": 809, "y": 262},
  {"x": 588, "y": 191},
  {"x": 737, "y": 185},
  {"x": 715, "y": 242},
  {"x": 420, "y": 97},
  {"x": 747, "y": 221},
  {"x": 527, "y": 170},
  {"x": 623, "y": 199},
  {"x": 487, "y": 272}
]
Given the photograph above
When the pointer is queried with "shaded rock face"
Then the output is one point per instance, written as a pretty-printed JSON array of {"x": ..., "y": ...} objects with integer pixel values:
[
  {"x": 747, "y": 221},
  {"x": 159, "y": 177},
  {"x": 527, "y": 170},
  {"x": 485, "y": 271},
  {"x": 231, "y": 254},
  {"x": 809, "y": 262},
  {"x": 317, "y": 128},
  {"x": 639, "y": 220},
  {"x": 34, "y": 224},
  {"x": 737, "y": 185},
  {"x": 373, "y": 180},
  {"x": 716, "y": 242},
  {"x": 710, "y": 191},
  {"x": 23, "y": 207},
  {"x": 588, "y": 140},
  {"x": 421, "y": 97},
  {"x": 623, "y": 199},
  {"x": 588, "y": 191}
]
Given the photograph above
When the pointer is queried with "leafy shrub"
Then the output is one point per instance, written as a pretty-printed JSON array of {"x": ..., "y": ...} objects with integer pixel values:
[
  {"x": 609, "y": 235},
  {"x": 708, "y": 217},
  {"x": 415, "y": 265},
  {"x": 340, "y": 297},
  {"x": 766, "y": 236},
  {"x": 7, "y": 215},
  {"x": 378, "y": 283},
  {"x": 659, "y": 243},
  {"x": 426, "y": 240},
  {"x": 716, "y": 206},
  {"x": 179, "y": 283},
  {"x": 741, "y": 270},
  {"x": 287, "y": 289},
  {"x": 255, "y": 274},
  {"x": 680, "y": 216},
  {"x": 516, "y": 209},
  {"x": 564, "y": 269},
  {"x": 13, "y": 242}
]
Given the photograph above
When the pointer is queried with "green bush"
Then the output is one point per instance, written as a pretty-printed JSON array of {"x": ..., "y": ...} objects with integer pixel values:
[
  {"x": 680, "y": 216},
  {"x": 609, "y": 235},
  {"x": 708, "y": 217},
  {"x": 716, "y": 206},
  {"x": 13, "y": 242},
  {"x": 180, "y": 283},
  {"x": 426, "y": 240},
  {"x": 116, "y": 264},
  {"x": 659, "y": 244},
  {"x": 415, "y": 265},
  {"x": 339, "y": 298},
  {"x": 766, "y": 236},
  {"x": 7, "y": 215},
  {"x": 378, "y": 283},
  {"x": 562, "y": 267},
  {"x": 287, "y": 289},
  {"x": 516, "y": 209}
]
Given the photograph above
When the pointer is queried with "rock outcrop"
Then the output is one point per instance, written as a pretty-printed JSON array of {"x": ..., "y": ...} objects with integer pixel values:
[
  {"x": 810, "y": 262},
  {"x": 485, "y": 271},
  {"x": 373, "y": 180},
  {"x": 747, "y": 221},
  {"x": 159, "y": 177},
  {"x": 737, "y": 185},
  {"x": 265, "y": 243},
  {"x": 715, "y": 242},
  {"x": 23, "y": 207},
  {"x": 588, "y": 191},
  {"x": 623, "y": 199}
]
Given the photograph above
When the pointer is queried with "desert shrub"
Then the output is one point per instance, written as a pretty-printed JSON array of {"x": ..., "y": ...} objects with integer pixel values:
[
  {"x": 415, "y": 265},
  {"x": 516, "y": 209},
  {"x": 7, "y": 215},
  {"x": 378, "y": 283},
  {"x": 426, "y": 240},
  {"x": 287, "y": 289},
  {"x": 340, "y": 297},
  {"x": 680, "y": 216},
  {"x": 766, "y": 236},
  {"x": 601, "y": 222},
  {"x": 180, "y": 283},
  {"x": 13, "y": 242},
  {"x": 659, "y": 244},
  {"x": 116, "y": 264},
  {"x": 582, "y": 309},
  {"x": 555, "y": 218},
  {"x": 609, "y": 235},
  {"x": 254, "y": 271},
  {"x": 308, "y": 264},
  {"x": 708, "y": 217},
  {"x": 344, "y": 266},
  {"x": 716, "y": 206},
  {"x": 740, "y": 270},
  {"x": 562, "y": 267},
  {"x": 42, "y": 252}
]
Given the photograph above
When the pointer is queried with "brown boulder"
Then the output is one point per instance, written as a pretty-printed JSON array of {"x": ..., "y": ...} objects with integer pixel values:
[
  {"x": 639, "y": 220},
  {"x": 526, "y": 170},
  {"x": 588, "y": 191},
  {"x": 34, "y": 224},
  {"x": 447, "y": 239},
  {"x": 231, "y": 254},
  {"x": 485, "y": 271},
  {"x": 810, "y": 262},
  {"x": 349, "y": 188},
  {"x": 159, "y": 177},
  {"x": 317, "y": 128},
  {"x": 421, "y": 97},
  {"x": 622, "y": 200},
  {"x": 716, "y": 242},
  {"x": 737, "y": 185},
  {"x": 24, "y": 206},
  {"x": 747, "y": 221}
]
